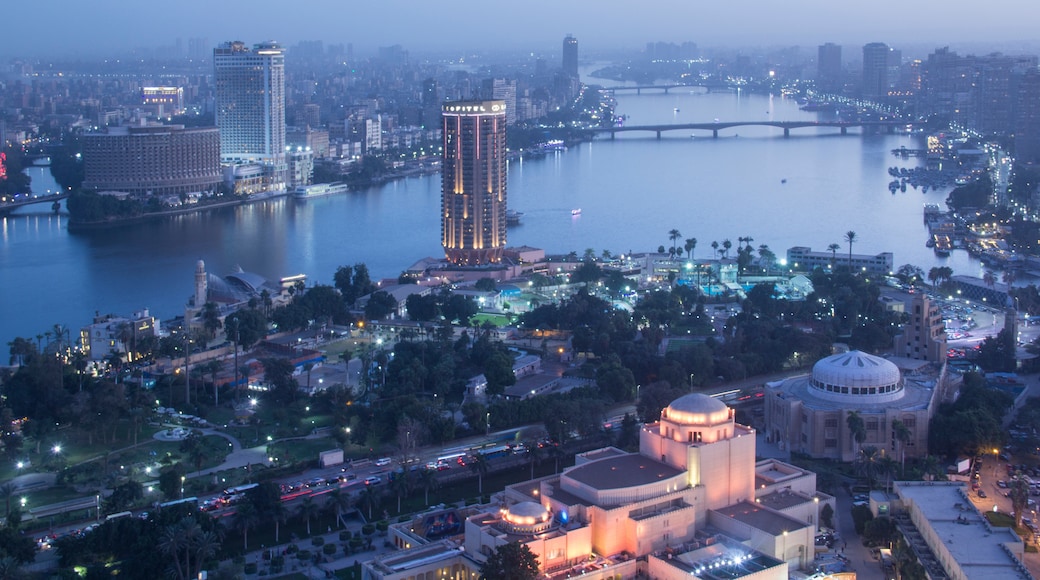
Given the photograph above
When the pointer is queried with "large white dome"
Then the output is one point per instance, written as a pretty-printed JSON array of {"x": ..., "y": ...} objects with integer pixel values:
[
  {"x": 856, "y": 373},
  {"x": 696, "y": 409}
]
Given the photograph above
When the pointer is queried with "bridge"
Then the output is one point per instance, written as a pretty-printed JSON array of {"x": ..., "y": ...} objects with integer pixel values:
[
  {"x": 715, "y": 127},
  {"x": 8, "y": 207},
  {"x": 710, "y": 85}
]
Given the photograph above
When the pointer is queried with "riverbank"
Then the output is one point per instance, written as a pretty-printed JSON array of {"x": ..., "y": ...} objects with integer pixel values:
[{"x": 80, "y": 226}]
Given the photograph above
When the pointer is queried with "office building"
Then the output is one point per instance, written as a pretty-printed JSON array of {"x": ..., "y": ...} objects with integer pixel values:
[
  {"x": 152, "y": 159},
  {"x": 570, "y": 56},
  {"x": 804, "y": 259},
  {"x": 923, "y": 336},
  {"x": 250, "y": 107},
  {"x": 875, "y": 70},
  {"x": 828, "y": 68},
  {"x": 1027, "y": 118},
  {"x": 502, "y": 90},
  {"x": 473, "y": 182}
]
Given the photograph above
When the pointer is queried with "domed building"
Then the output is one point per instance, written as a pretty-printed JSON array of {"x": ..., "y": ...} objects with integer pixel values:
[
  {"x": 692, "y": 498},
  {"x": 809, "y": 414}
]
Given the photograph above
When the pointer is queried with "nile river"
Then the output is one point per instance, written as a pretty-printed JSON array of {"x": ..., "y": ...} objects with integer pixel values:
[{"x": 631, "y": 191}]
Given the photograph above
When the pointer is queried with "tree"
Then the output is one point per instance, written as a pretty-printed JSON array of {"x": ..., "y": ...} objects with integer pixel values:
[
  {"x": 674, "y": 235},
  {"x": 369, "y": 498},
  {"x": 902, "y": 434},
  {"x": 246, "y": 327},
  {"x": 307, "y": 510},
  {"x": 246, "y": 518},
  {"x": 340, "y": 502},
  {"x": 401, "y": 484},
  {"x": 726, "y": 245},
  {"x": 850, "y": 237},
  {"x": 869, "y": 464},
  {"x": 211, "y": 319},
  {"x": 479, "y": 465},
  {"x": 428, "y": 481},
  {"x": 857, "y": 429},
  {"x": 1019, "y": 494},
  {"x": 485, "y": 285},
  {"x": 380, "y": 305},
  {"x": 833, "y": 248},
  {"x": 689, "y": 246},
  {"x": 512, "y": 561}
]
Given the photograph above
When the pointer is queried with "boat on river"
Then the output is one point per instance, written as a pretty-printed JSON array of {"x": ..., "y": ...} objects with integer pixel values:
[
  {"x": 320, "y": 190},
  {"x": 576, "y": 211}
]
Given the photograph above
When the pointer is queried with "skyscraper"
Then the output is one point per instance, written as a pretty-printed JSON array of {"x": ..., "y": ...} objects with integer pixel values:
[
  {"x": 828, "y": 68},
  {"x": 570, "y": 56},
  {"x": 875, "y": 70},
  {"x": 473, "y": 182},
  {"x": 250, "y": 105}
]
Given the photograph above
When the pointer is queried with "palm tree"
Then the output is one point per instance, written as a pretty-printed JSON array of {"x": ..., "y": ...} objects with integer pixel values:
[
  {"x": 857, "y": 429},
  {"x": 1009, "y": 278},
  {"x": 715, "y": 249},
  {"x": 1019, "y": 495},
  {"x": 989, "y": 278},
  {"x": 174, "y": 542},
  {"x": 277, "y": 513},
  {"x": 7, "y": 492},
  {"x": 205, "y": 546},
  {"x": 901, "y": 434},
  {"x": 673, "y": 235},
  {"x": 369, "y": 497},
  {"x": 869, "y": 464},
  {"x": 726, "y": 245},
  {"x": 534, "y": 456},
  {"x": 931, "y": 467},
  {"x": 834, "y": 253},
  {"x": 428, "y": 480},
  {"x": 479, "y": 465},
  {"x": 246, "y": 517},
  {"x": 689, "y": 246},
  {"x": 850, "y": 237},
  {"x": 339, "y": 502},
  {"x": 401, "y": 485},
  {"x": 307, "y": 510}
]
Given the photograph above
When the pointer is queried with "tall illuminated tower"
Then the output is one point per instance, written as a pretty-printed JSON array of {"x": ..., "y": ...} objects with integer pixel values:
[
  {"x": 473, "y": 182},
  {"x": 570, "y": 56},
  {"x": 250, "y": 105}
]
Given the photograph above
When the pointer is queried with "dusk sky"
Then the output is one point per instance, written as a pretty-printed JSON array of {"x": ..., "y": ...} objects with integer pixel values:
[{"x": 63, "y": 27}]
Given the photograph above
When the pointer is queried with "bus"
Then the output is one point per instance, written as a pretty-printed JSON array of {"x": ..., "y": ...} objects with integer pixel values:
[
  {"x": 496, "y": 451},
  {"x": 188, "y": 501},
  {"x": 238, "y": 493},
  {"x": 116, "y": 516},
  {"x": 450, "y": 458}
]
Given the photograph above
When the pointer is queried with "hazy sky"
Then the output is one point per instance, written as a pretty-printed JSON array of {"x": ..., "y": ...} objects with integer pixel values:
[{"x": 53, "y": 27}]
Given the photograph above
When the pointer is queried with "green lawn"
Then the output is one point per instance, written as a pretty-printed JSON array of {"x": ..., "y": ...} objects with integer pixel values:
[{"x": 496, "y": 319}]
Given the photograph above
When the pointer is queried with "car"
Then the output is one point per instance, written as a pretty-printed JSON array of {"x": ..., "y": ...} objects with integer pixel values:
[
  {"x": 1002, "y": 484},
  {"x": 316, "y": 482},
  {"x": 373, "y": 480},
  {"x": 982, "y": 493},
  {"x": 382, "y": 462}
]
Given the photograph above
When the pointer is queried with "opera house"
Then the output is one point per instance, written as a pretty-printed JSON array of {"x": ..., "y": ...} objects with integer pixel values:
[{"x": 692, "y": 503}]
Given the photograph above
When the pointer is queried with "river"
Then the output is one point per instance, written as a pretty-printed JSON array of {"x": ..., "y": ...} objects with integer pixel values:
[{"x": 807, "y": 190}]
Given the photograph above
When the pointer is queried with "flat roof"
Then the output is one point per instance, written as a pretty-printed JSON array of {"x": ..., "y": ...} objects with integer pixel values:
[
  {"x": 978, "y": 548},
  {"x": 621, "y": 471},
  {"x": 761, "y": 518},
  {"x": 783, "y": 499}
]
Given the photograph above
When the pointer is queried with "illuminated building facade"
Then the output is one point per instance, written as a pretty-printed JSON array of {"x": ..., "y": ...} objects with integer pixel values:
[
  {"x": 250, "y": 106},
  {"x": 152, "y": 159},
  {"x": 164, "y": 101},
  {"x": 473, "y": 182},
  {"x": 692, "y": 503}
]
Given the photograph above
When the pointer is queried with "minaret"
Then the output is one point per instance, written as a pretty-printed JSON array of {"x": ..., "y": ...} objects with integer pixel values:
[{"x": 200, "y": 284}]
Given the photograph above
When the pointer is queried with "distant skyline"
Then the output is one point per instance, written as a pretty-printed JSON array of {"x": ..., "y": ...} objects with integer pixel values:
[{"x": 56, "y": 28}]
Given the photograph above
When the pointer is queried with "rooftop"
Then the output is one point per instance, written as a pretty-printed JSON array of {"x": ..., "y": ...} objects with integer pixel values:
[
  {"x": 621, "y": 471},
  {"x": 761, "y": 518}
]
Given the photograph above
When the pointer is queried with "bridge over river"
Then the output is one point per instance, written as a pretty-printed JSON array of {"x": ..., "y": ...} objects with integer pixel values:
[
  {"x": 9, "y": 206},
  {"x": 717, "y": 126}
]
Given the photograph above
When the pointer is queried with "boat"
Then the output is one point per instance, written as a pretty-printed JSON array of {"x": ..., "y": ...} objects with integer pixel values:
[
  {"x": 784, "y": 180},
  {"x": 513, "y": 217},
  {"x": 576, "y": 211},
  {"x": 676, "y": 110},
  {"x": 320, "y": 190}
]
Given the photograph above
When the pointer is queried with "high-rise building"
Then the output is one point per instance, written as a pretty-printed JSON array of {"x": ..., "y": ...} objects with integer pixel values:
[
  {"x": 1027, "y": 118},
  {"x": 875, "y": 70},
  {"x": 570, "y": 56},
  {"x": 473, "y": 182},
  {"x": 828, "y": 68},
  {"x": 502, "y": 90},
  {"x": 250, "y": 106}
]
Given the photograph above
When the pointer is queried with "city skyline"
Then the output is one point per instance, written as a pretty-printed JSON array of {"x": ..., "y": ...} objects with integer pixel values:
[{"x": 538, "y": 25}]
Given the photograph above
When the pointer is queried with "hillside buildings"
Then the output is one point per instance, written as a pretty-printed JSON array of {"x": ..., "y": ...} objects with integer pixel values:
[
  {"x": 473, "y": 182},
  {"x": 691, "y": 500}
]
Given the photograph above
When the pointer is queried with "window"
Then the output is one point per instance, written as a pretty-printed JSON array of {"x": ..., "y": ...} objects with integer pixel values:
[
  {"x": 830, "y": 443},
  {"x": 830, "y": 423}
]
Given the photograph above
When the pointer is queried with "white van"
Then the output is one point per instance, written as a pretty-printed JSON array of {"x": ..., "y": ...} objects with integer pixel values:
[{"x": 383, "y": 462}]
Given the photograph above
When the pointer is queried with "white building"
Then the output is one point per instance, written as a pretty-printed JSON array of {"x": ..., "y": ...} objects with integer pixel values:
[{"x": 250, "y": 106}]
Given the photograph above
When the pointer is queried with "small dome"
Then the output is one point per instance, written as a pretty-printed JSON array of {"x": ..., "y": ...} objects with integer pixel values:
[
  {"x": 696, "y": 409},
  {"x": 855, "y": 369},
  {"x": 528, "y": 509}
]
